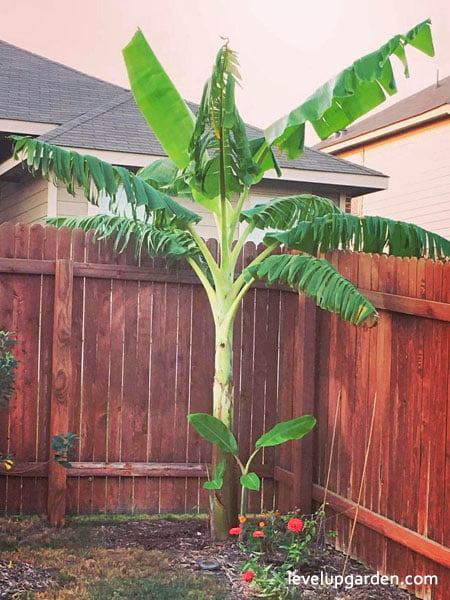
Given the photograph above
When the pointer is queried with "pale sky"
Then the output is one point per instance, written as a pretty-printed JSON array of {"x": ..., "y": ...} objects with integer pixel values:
[{"x": 287, "y": 48}]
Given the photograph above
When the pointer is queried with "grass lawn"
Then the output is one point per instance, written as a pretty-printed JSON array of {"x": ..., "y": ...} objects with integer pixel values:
[{"x": 93, "y": 558}]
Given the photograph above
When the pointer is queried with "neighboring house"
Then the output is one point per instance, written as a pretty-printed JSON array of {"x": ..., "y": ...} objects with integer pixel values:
[
  {"x": 42, "y": 98},
  {"x": 410, "y": 141}
]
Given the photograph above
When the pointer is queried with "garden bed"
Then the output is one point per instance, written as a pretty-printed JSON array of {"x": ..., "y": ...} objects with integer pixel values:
[{"x": 121, "y": 557}]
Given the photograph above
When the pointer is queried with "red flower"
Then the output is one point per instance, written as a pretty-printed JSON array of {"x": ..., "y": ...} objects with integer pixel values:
[
  {"x": 235, "y": 530},
  {"x": 248, "y": 576},
  {"x": 258, "y": 533},
  {"x": 295, "y": 525}
]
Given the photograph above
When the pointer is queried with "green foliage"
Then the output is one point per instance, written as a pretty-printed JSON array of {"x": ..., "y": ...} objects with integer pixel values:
[
  {"x": 173, "y": 243},
  {"x": 97, "y": 178},
  {"x": 214, "y": 431},
  {"x": 217, "y": 481},
  {"x": 221, "y": 159},
  {"x": 339, "y": 231},
  {"x": 285, "y": 431},
  {"x": 8, "y": 365},
  {"x": 251, "y": 481},
  {"x": 318, "y": 279},
  {"x": 62, "y": 445},
  {"x": 284, "y": 213},
  {"x": 349, "y": 95},
  {"x": 162, "y": 106},
  {"x": 278, "y": 551}
]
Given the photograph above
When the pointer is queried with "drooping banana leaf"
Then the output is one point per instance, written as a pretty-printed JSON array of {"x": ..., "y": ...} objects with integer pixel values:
[
  {"x": 350, "y": 95},
  {"x": 173, "y": 243},
  {"x": 97, "y": 177},
  {"x": 319, "y": 280},
  {"x": 159, "y": 101},
  {"x": 362, "y": 234},
  {"x": 284, "y": 213}
]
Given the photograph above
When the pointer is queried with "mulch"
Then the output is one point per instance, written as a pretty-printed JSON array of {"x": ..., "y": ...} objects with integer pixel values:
[
  {"x": 188, "y": 543},
  {"x": 17, "y": 578}
]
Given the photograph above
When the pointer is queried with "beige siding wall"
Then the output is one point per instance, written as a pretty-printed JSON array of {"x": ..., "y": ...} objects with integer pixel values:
[
  {"x": 70, "y": 206},
  {"x": 418, "y": 164},
  {"x": 24, "y": 202}
]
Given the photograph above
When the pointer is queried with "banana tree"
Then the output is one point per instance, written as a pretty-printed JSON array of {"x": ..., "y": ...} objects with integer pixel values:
[{"x": 212, "y": 162}]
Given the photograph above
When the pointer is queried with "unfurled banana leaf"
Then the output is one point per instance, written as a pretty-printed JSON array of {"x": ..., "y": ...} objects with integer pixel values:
[
  {"x": 159, "y": 101},
  {"x": 173, "y": 243},
  {"x": 350, "y": 95},
  {"x": 97, "y": 177},
  {"x": 362, "y": 234},
  {"x": 284, "y": 213},
  {"x": 319, "y": 280}
]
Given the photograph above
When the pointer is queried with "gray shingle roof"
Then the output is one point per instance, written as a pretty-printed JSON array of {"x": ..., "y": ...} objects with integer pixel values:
[
  {"x": 34, "y": 88},
  {"x": 95, "y": 115},
  {"x": 118, "y": 125},
  {"x": 421, "y": 102}
]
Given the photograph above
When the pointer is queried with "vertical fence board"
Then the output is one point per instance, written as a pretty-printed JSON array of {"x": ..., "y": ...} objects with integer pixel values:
[{"x": 61, "y": 384}]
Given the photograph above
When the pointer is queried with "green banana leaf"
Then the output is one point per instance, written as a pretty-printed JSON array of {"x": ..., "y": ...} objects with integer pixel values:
[
  {"x": 350, "y": 95},
  {"x": 159, "y": 101}
]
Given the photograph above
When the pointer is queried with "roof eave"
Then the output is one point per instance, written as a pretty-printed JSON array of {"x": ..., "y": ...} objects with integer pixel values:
[{"x": 355, "y": 184}]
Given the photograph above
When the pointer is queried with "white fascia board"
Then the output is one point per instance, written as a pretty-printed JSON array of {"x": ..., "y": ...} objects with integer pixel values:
[
  {"x": 381, "y": 132},
  {"x": 26, "y": 127},
  {"x": 132, "y": 159},
  {"x": 8, "y": 164},
  {"x": 128, "y": 159},
  {"x": 329, "y": 178}
]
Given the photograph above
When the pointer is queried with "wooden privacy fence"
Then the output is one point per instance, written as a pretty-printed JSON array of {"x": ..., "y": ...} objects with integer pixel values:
[
  {"x": 134, "y": 354},
  {"x": 403, "y": 367},
  {"x": 120, "y": 354}
]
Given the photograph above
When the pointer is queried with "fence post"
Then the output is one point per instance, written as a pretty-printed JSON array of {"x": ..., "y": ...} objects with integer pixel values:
[
  {"x": 303, "y": 401},
  {"x": 61, "y": 385}
]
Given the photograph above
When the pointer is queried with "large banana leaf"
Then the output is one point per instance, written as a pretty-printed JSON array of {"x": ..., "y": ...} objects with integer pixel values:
[
  {"x": 97, "y": 177},
  {"x": 362, "y": 234},
  {"x": 159, "y": 101},
  {"x": 172, "y": 243},
  {"x": 318, "y": 279},
  {"x": 349, "y": 95},
  {"x": 284, "y": 213}
]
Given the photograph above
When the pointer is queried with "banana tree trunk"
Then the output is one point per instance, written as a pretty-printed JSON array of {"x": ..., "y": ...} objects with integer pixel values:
[{"x": 224, "y": 502}]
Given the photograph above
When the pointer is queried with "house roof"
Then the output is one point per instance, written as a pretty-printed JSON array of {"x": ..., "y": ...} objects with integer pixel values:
[
  {"x": 92, "y": 114},
  {"x": 425, "y": 100},
  {"x": 34, "y": 88},
  {"x": 118, "y": 125}
]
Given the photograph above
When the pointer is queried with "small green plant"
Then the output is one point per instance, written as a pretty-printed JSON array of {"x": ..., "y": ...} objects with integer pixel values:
[
  {"x": 8, "y": 365},
  {"x": 275, "y": 545},
  {"x": 216, "y": 432},
  {"x": 62, "y": 446}
]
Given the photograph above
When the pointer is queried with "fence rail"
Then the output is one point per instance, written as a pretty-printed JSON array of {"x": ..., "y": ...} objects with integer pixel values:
[{"x": 120, "y": 352}]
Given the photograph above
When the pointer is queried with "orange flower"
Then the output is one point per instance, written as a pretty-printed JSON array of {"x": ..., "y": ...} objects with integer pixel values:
[
  {"x": 262, "y": 524},
  {"x": 258, "y": 533},
  {"x": 242, "y": 519},
  {"x": 235, "y": 530},
  {"x": 277, "y": 513}
]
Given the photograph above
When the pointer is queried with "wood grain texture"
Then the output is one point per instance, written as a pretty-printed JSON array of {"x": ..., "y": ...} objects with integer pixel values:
[{"x": 61, "y": 384}]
